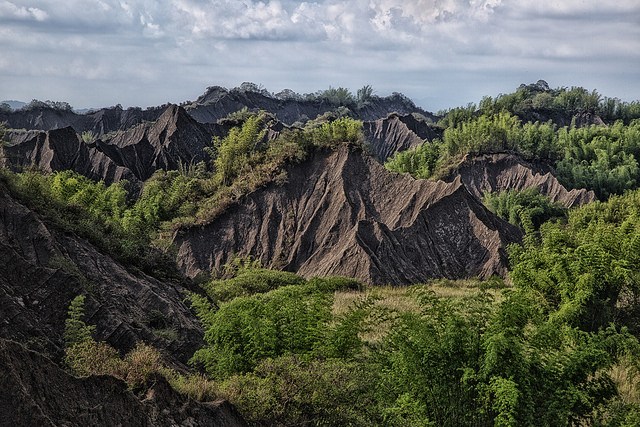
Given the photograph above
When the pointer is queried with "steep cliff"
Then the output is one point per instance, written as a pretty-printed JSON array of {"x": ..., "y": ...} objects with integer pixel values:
[{"x": 396, "y": 133}]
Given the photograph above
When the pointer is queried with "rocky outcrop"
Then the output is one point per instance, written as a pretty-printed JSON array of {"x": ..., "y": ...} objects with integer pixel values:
[
  {"x": 43, "y": 269},
  {"x": 396, "y": 133},
  {"x": 34, "y": 391},
  {"x": 505, "y": 171},
  {"x": 173, "y": 139},
  {"x": 62, "y": 149},
  {"x": 216, "y": 103},
  {"x": 135, "y": 154},
  {"x": 342, "y": 213}
]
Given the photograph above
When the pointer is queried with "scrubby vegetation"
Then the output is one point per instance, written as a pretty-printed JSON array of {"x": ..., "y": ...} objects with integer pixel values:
[
  {"x": 597, "y": 157},
  {"x": 527, "y": 209},
  {"x": 542, "y": 354}
]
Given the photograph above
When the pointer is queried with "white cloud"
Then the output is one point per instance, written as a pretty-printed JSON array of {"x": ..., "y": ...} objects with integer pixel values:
[
  {"x": 9, "y": 10},
  {"x": 394, "y": 44}
]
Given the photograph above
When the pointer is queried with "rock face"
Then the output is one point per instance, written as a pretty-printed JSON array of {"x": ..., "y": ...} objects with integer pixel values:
[
  {"x": 62, "y": 149},
  {"x": 396, "y": 133},
  {"x": 34, "y": 391},
  {"x": 173, "y": 139},
  {"x": 342, "y": 213},
  {"x": 504, "y": 171},
  {"x": 42, "y": 270},
  {"x": 134, "y": 154}
]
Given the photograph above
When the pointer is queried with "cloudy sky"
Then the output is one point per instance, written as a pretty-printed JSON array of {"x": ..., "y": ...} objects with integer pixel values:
[{"x": 441, "y": 53}]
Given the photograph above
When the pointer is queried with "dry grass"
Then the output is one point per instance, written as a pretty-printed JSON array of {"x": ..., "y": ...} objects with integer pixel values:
[
  {"x": 626, "y": 377},
  {"x": 403, "y": 299}
]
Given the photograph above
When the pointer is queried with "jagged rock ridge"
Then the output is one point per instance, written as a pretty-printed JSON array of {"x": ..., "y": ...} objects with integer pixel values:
[
  {"x": 135, "y": 154},
  {"x": 62, "y": 149},
  {"x": 342, "y": 213},
  {"x": 396, "y": 133},
  {"x": 43, "y": 269},
  {"x": 34, "y": 391},
  {"x": 505, "y": 171}
]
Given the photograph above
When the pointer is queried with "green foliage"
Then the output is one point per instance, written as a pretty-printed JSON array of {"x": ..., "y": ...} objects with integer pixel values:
[
  {"x": 290, "y": 390},
  {"x": 588, "y": 269},
  {"x": 484, "y": 134},
  {"x": 88, "y": 137},
  {"x": 332, "y": 134},
  {"x": 245, "y": 160},
  {"x": 421, "y": 161},
  {"x": 95, "y": 211},
  {"x": 430, "y": 360},
  {"x": 527, "y": 209},
  {"x": 234, "y": 150},
  {"x": 338, "y": 96},
  {"x": 364, "y": 96},
  {"x": 600, "y": 158},
  {"x": 250, "y": 281},
  {"x": 76, "y": 331},
  {"x": 249, "y": 329}
]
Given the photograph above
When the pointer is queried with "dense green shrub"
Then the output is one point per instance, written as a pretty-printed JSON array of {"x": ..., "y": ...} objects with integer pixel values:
[
  {"x": 598, "y": 158},
  {"x": 601, "y": 158},
  {"x": 291, "y": 390},
  {"x": 527, "y": 209},
  {"x": 249, "y": 281},
  {"x": 587, "y": 269},
  {"x": 420, "y": 161},
  {"x": 249, "y": 329}
]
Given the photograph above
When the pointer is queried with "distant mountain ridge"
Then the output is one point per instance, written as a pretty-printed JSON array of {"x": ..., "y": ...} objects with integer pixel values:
[{"x": 214, "y": 104}]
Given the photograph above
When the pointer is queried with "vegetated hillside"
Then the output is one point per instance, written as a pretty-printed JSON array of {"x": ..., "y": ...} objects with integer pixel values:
[
  {"x": 34, "y": 391},
  {"x": 537, "y": 102},
  {"x": 494, "y": 173},
  {"x": 44, "y": 268},
  {"x": 396, "y": 133},
  {"x": 342, "y": 213}
]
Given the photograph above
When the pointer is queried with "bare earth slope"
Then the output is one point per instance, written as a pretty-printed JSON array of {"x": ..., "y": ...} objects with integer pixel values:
[
  {"x": 134, "y": 154},
  {"x": 504, "y": 171},
  {"x": 34, "y": 391},
  {"x": 43, "y": 269},
  {"x": 342, "y": 213},
  {"x": 396, "y": 133},
  {"x": 62, "y": 149}
]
